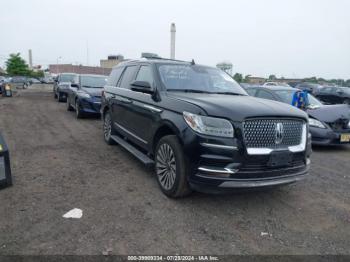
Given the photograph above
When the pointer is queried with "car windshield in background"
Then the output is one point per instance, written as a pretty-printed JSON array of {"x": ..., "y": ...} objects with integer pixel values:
[
  {"x": 67, "y": 78},
  {"x": 93, "y": 81},
  {"x": 287, "y": 97},
  {"x": 344, "y": 90},
  {"x": 193, "y": 78}
]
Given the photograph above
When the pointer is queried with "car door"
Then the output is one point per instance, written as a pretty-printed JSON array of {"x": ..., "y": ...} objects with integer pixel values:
[
  {"x": 122, "y": 102},
  {"x": 144, "y": 109}
]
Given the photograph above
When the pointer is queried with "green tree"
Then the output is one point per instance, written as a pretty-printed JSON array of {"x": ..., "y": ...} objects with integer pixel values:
[
  {"x": 16, "y": 65},
  {"x": 238, "y": 77}
]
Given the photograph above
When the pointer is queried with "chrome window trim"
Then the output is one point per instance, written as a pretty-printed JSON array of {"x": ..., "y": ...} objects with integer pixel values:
[
  {"x": 219, "y": 146},
  {"x": 152, "y": 108},
  {"x": 130, "y": 133},
  {"x": 266, "y": 151}
]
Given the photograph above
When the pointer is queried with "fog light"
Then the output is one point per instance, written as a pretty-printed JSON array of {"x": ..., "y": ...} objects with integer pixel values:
[{"x": 5, "y": 169}]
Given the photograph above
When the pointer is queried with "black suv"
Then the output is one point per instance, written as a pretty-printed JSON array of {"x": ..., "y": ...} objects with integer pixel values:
[
  {"x": 334, "y": 95},
  {"x": 201, "y": 130}
]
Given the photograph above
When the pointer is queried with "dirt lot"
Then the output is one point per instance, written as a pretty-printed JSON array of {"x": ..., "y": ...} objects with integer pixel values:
[{"x": 60, "y": 163}]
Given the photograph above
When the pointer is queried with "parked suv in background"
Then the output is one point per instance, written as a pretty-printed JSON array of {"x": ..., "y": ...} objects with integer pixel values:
[
  {"x": 201, "y": 130},
  {"x": 62, "y": 85},
  {"x": 334, "y": 95},
  {"x": 84, "y": 95}
]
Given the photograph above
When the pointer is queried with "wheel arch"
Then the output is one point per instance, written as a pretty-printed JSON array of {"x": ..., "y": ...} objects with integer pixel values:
[{"x": 165, "y": 129}]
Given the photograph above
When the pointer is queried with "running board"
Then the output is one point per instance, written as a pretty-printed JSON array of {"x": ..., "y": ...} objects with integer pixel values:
[{"x": 133, "y": 150}]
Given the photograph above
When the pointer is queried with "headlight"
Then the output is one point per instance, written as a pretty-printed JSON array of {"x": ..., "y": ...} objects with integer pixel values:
[
  {"x": 209, "y": 125},
  {"x": 315, "y": 123},
  {"x": 84, "y": 95}
]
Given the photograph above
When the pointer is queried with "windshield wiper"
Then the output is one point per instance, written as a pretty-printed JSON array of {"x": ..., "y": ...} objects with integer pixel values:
[
  {"x": 229, "y": 93},
  {"x": 92, "y": 86},
  {"x": 189, "y": 91}
]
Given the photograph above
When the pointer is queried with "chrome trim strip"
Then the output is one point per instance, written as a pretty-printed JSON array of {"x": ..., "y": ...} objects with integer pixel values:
[
  {"x": 262, "y": 183},
  {"x": 219, "y": 146},
  {"x": 153, "y": 109},
  {"x": 301, "y": 147},
  {"x": 266, "y": 151},
  {"x": 222, "y": 171},
  {"x": 130, "y": 133}
]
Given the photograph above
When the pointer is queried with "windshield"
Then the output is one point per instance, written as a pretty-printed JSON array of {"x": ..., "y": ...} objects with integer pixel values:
[
  {"x": 193, "y": 78},
  {"x": 93, "y": 81},
  {"x": 67, "y": 77},
  {"x": 287, "y": 97},
  {"x": 344, "y": 90}
]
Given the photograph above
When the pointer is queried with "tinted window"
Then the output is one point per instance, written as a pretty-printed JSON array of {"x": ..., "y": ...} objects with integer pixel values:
[
  {"x": 326, "y": 90},
  {"x": 287, "y": 96},
  {"x": 127, "y": 77},
  {"x": 114, "y": 76},
  {"x": 266, "y": 95},
  {"x": 145, "y": 74},
  {"x": 67, "y": 77},
  {"x": 93, "y": 81},
  {"x": 251, "y": 91}
]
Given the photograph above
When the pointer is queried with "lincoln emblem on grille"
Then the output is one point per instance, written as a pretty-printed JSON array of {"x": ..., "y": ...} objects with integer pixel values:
[{"x": 279, "y": 133}]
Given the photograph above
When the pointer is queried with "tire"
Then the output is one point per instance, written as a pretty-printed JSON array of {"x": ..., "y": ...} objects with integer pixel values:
[
  {"x": 69, "y": 107},
  {"x": 172, "y": 167},
  {"x": 108, "y": 129},
  {"x": 78, "y": 112},
  {"x": 59, "y": 98}
]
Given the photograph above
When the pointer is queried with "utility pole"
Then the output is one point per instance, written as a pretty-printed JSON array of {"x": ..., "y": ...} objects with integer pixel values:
[
  {"x": 172, "y": 40},
  {"x": 30, "y": 58}
]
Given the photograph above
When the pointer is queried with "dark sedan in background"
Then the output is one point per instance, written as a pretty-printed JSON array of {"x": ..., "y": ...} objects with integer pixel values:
[
  {"x": 84, "y": 95},
  {"x": 329, "y": 124},
  {"x": 334, "y": 95},
  {"x": 62, "y": 85}
]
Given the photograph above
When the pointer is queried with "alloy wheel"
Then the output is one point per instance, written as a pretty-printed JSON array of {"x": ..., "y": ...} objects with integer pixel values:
[{"x": 166, "y": 166}]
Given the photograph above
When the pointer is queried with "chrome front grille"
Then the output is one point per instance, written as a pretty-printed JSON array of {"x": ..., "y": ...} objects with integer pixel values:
[{"x": 272, "y": 133}]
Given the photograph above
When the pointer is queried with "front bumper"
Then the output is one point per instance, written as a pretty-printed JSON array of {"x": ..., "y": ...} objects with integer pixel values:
[
  {"x": 327, "y": 136},
  {"x": 90, "y": 105},
  {"x": 222, "y": 165}
]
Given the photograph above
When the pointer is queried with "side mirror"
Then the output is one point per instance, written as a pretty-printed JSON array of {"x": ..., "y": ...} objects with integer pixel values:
[
  {"x": 141, "y": 86},
  {"x": 74, "y": 85}
]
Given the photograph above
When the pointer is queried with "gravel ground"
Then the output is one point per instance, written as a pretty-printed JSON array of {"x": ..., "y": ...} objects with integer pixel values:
[{"x": 60, "y": 163}]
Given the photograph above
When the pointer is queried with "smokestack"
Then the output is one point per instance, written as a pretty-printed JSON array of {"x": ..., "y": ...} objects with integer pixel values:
[
  {"x": 172, "y": 40},
  {"x": 30, "y": 58}
]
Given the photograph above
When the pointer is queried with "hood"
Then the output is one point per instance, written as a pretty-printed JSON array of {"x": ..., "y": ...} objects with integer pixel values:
[
  {"x": 330, "y": 113},
  {"x": 93, "y": 91},
  {"x": 238, "y": 108}
]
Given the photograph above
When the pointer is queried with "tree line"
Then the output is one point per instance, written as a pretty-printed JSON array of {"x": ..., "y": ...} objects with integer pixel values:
[{"x": 340, "y": 82}]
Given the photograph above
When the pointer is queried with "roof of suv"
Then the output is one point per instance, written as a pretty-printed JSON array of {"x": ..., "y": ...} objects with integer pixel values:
[{"x": 152, "y": 61}]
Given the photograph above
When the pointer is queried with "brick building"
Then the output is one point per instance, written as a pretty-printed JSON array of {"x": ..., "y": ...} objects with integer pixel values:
[{"x": 78, "y": 69}]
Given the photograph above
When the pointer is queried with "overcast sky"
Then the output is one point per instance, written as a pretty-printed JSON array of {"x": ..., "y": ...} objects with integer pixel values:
[{"x": 290, "y": 38}]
